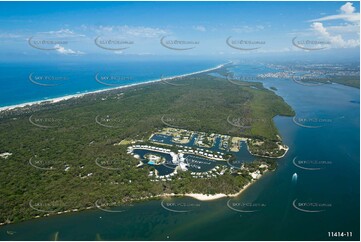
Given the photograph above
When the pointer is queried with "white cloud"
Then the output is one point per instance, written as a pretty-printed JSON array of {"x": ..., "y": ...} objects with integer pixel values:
[
  {"x": 144, "y": 53},
  {"x": 347, "y": 14},
  {"x": 200, "y": 28},
  {"x": 318, "y": 27},
  {"x": 355, "y": 17},
  {"x": 130, "y": 31},
  {"x": 106, "y": 28},
  {"x": 248, "y": 29},
  {"x": 62, "y": 50},
  {"x": 336, "y": 34},
  {"x": 348, "y": 8},
  {"x": 347, "y": 28},
  {"x": 62, "y": 33},
  {"x": 9, "y": 36},
  {"x": 335, "y": 40}
]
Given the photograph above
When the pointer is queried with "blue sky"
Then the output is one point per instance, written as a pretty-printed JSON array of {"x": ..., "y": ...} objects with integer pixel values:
[{"x": 149, "y": 28}]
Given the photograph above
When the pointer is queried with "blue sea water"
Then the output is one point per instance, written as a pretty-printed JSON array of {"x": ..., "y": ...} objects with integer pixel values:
[{"x": 27, "y": 82}]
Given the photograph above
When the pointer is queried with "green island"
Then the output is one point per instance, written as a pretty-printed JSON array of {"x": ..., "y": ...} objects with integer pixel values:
[{"x": 85, "y": 145}]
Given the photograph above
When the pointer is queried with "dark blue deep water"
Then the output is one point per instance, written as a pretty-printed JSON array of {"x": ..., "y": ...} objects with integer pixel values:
[{"x": 28, "y": 82}]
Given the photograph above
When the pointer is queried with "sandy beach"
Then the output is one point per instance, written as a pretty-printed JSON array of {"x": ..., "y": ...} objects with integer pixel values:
[
  {"x": 205, "y": 197},
  {"x": 64, "y": 98}
]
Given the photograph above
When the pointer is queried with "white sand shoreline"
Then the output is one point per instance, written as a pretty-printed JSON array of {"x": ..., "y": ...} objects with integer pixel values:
[
  {"x": 67, "y": 97},
  {"x": 270, "y": 157},
  {"x": 205, "y": 197}
]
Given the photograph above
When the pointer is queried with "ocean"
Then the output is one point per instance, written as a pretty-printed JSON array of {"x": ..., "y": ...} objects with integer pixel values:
[{"x": 24, "y": 82}]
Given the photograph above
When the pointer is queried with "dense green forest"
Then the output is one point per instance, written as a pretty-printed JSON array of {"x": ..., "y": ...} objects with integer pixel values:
[
  {"x": 55, "y": 146},
  {"x": 352, "y": 81}
]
